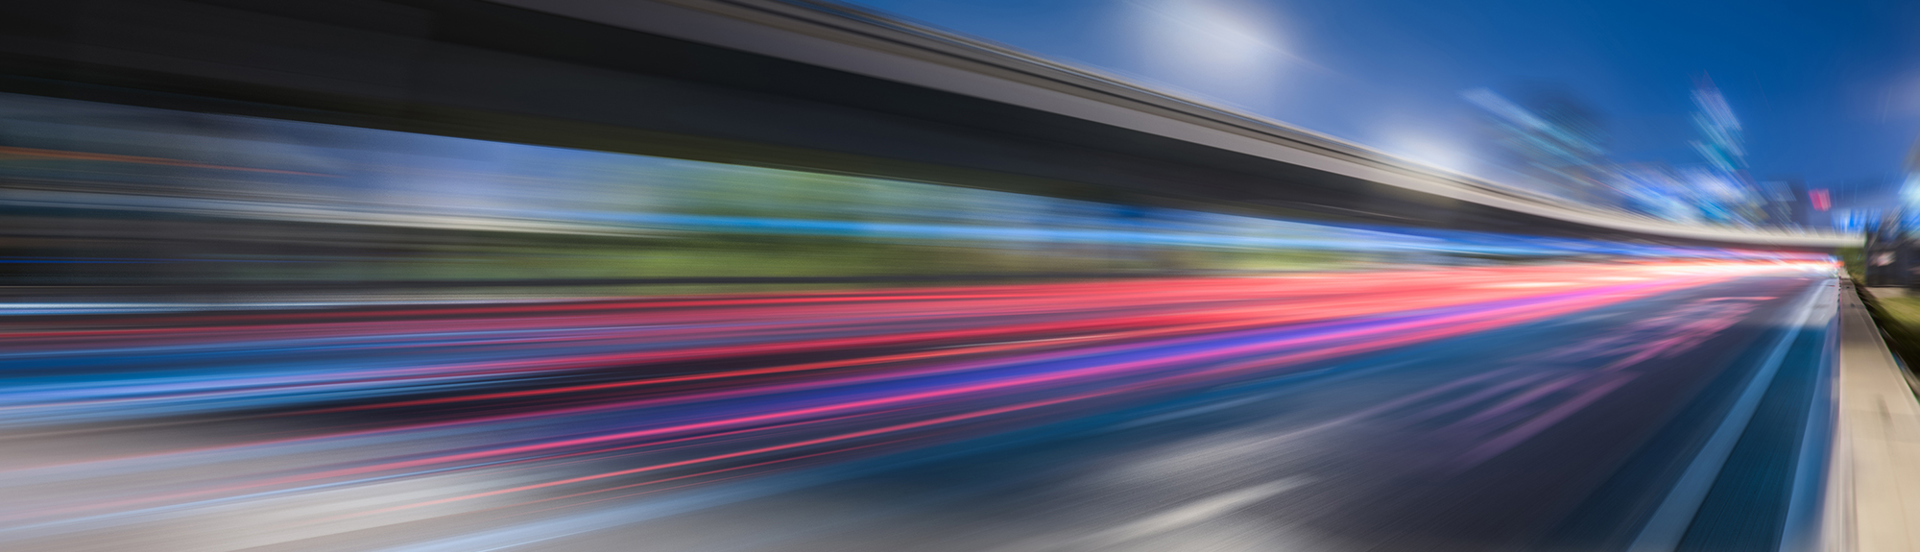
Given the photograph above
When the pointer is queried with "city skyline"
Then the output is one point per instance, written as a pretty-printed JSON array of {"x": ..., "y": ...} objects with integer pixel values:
[{"x": 1824, "y": 91}]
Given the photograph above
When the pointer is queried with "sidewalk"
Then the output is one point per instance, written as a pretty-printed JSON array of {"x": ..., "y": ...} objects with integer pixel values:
[{"x": 1873, "y": 501}]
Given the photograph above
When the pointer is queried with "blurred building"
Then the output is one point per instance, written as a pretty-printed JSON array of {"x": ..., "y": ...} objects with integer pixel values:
[
  {"x": 1790, "y": 202},
  {"x": 1891, "y": 251},
  {"x": 1785, "y": 205},
  {"x": 1819, "y": 212},
  {"x": 1732, "y": 196},
  {"x": 1556, "y": 145},
  {"x": 1554, "y": 141}
]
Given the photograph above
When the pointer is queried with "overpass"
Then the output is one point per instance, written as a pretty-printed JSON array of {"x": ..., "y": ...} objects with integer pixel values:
[{"x": 765, "y": 82}]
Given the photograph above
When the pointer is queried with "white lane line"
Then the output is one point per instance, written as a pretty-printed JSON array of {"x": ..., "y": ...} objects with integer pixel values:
[
  {"x": 1670, "y": 521},
  {"x": 1192, "y": 513},
  {"x": 1802, "y": 531},
  {"x": 1186, "y": 515}
]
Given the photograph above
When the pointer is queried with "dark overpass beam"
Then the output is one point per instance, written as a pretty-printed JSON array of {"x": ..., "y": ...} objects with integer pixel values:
[{"x": 754, "y": 82}]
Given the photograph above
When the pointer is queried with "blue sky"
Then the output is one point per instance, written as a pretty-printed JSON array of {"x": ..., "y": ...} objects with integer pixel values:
[{"x": 1827, "y": 91}]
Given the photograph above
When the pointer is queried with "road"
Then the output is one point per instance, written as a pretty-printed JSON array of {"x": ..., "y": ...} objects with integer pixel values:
[{"x": 1651, "y": 406}]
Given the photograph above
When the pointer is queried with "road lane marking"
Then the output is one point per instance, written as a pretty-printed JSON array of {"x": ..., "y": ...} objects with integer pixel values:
[{"x": 1675, "y": 514}]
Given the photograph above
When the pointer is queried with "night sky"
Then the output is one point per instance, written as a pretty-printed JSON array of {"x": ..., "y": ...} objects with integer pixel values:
[{"x": 1826, "y": 91}]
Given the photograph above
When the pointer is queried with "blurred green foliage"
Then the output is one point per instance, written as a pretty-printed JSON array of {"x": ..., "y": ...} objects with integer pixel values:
[{"x": 1855, "y": 260}]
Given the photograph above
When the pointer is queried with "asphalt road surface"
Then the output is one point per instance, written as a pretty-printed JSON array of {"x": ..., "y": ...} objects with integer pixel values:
[{"x": 1659, "y": 406}]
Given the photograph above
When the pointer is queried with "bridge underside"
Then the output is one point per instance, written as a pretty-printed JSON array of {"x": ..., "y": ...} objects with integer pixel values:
[{"x": 488, "y": 71}]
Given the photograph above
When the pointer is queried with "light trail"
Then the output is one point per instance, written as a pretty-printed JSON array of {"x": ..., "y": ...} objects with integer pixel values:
[{"x": 585, "y": 401}]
